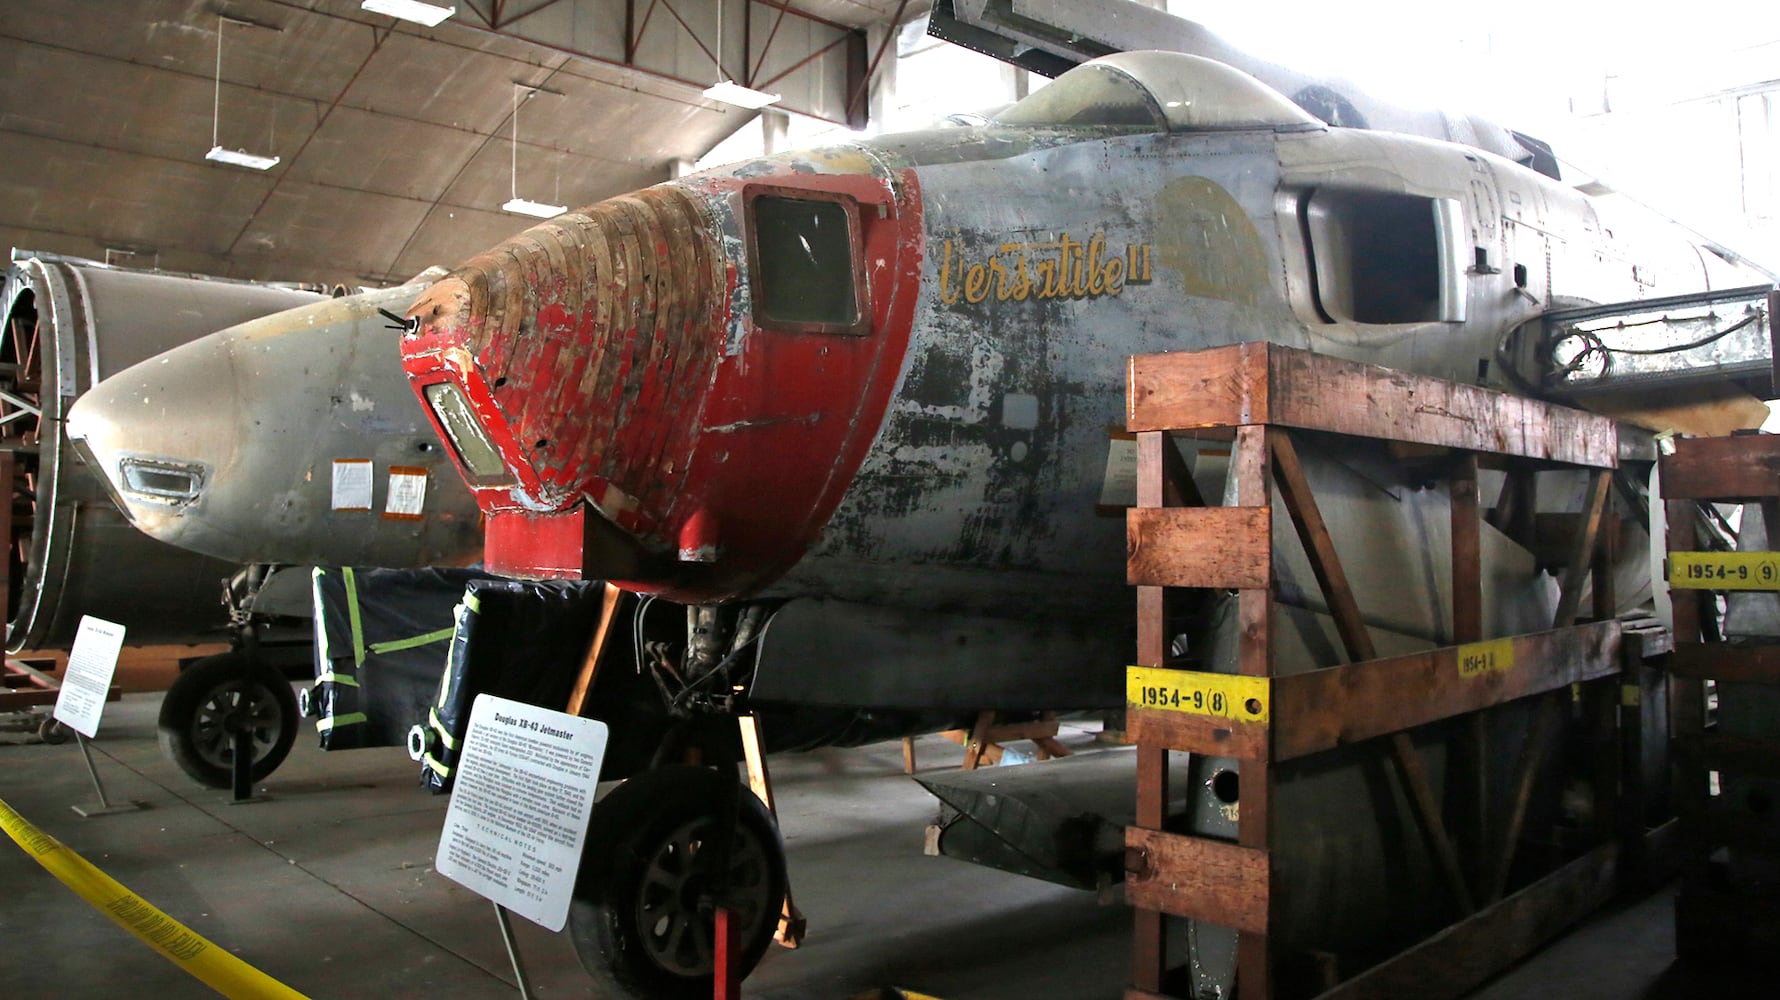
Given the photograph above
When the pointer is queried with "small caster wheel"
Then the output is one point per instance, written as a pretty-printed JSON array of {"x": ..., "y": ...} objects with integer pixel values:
[{"x": 51, "y": 731}]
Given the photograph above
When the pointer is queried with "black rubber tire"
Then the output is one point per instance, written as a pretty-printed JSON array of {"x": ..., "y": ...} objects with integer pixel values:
[
  {"x": 51, "y": 731},
  {"x": 193, "y": 733},
  {"x": 630, "y": 906}
]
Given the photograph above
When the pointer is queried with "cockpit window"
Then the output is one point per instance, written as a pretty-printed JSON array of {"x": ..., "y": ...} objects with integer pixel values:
[
  {"x": 1086, "y": 96},
  {"x": 804, "y": 262},
  {"x": 1160, "y": 91}
]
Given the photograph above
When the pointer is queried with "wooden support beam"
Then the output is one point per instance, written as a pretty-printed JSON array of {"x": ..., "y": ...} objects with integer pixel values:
[
  {"x": 1532, "y": 752},
  {"x": 1687, "y": 696},
  {"x": 1221, "y": 547},
  {"x": 1178, "y": 487},
  {"x": 1741, "y": 664},
  {"x": 1320, "y": 710},
  {"x": 1454, "y": 962},
  {"x": 1313, "y": 533},
  {"x": 1149, "y": 949},
  {"x": 1149, "y": 946},
  {"x": 1472, "y": 784},
  {"x": 1326, "y": 564},
  {"x": 1742, "y": 467},
  {"x": 1467, "y": 549},
  {"x": 792, "y": 924},
  {"x": 1323, "y": 709},
  {"x": 1205, "y": 734},
  {"x": 1516, "y": 511},
  {"x": 596, "y": 648},
  {"x": 1581, "y": 559},
  {"x": 976, "y": 748},
  {"x": 1252, "y": 469},
  {"x": 1259, "y": 383},
  {"x": 1198, "y": 877}
]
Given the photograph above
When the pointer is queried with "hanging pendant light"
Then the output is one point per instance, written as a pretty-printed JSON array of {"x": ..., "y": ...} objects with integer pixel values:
[
  {"x": 516, "y": 204},
  {"x": 217, "y": 154},
  {"x": 728, "y": 91}
]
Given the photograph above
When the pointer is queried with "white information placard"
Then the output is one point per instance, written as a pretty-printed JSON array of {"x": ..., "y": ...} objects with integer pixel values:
[
  {"x": 407, "y": 493},
  {"x": 90, "y": 665},
  {"x": 519, "y": 805},
  {"x": 352, "y": 484}
]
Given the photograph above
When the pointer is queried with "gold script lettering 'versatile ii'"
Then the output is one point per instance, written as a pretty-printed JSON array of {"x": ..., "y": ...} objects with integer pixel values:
[{"x": 1064, "y": 268}]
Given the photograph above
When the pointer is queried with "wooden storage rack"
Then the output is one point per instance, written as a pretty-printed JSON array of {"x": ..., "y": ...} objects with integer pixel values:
[
  {"x": 1258, "y": 394},
  {"x": 1716, "y": 919}
]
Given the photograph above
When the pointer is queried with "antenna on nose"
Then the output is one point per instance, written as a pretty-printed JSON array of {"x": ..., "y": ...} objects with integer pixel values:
[{"x": 406, "y": 324}]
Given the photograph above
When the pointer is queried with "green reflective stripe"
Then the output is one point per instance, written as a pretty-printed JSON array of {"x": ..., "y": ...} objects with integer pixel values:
[
  {"x": 439, "y": 769},
  {"x": 432, "y": 715},
  {"x": 396, "y": 645},
  {"x": 472, "y": 602},
  {"x": 358, "y": 628},
  {"x": 445, "y": 678},
  {"x": 349, "y": 719},
  {"x": 333, "y": 678}
]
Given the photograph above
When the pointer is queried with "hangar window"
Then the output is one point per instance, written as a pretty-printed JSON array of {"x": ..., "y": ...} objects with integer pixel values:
[
  {"x": 1381, "y": 257},
  {"x": 804, "y": 257}
]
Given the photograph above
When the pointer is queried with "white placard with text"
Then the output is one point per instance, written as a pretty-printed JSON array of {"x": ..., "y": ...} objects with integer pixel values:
[
  {"x": 520, "y": 799},
  {"x": 352, "y": 484},
  {"x": 88, "y": 678}
]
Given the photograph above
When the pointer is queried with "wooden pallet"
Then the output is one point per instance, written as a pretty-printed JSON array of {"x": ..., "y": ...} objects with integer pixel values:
[{"x": 1259, "y": 394}]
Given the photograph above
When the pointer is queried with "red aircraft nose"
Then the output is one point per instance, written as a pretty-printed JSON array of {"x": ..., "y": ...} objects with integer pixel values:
[{"x": 673, "y": 388}]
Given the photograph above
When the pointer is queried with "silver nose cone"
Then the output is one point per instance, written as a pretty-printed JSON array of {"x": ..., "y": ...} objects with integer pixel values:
[{"x": 292, "y": 438}]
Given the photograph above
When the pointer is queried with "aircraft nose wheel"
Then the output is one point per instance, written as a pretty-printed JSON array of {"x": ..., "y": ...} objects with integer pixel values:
[
  {"x": 643, "y": 918},
  {"x": 211, "y": 700}
]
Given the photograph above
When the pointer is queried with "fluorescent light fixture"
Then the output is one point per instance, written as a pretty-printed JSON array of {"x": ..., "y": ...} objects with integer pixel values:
[
  {"x": 731, "y": 92},
  {"x": 536, "y": 209},
  {"x": 239, "y": 158},
  {"x": 429, "y": 14}
]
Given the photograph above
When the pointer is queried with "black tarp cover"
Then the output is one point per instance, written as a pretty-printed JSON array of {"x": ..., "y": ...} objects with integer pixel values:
[
  {"x": 513, "y": 639},
  {"x": 381, "y": 637}
]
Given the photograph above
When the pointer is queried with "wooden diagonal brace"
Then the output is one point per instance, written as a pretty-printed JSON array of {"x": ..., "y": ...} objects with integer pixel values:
[
  {"x": 1582, "y": 550},
  {"x": 1326, "y": 564}
]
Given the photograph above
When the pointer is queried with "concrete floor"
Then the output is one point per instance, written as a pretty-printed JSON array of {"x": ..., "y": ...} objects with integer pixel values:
[{"x": 328, "y": 887}]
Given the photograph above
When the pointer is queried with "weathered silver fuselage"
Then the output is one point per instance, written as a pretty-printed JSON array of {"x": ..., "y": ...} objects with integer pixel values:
[
  {"x": 981, "y": 492},
  {"x": 292, "y": 438}
]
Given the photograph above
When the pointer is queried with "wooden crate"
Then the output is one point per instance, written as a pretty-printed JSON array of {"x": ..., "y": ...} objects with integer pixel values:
[
  {"x": 1719, "y": 919},
  {"x": 1259, "y": 394}
]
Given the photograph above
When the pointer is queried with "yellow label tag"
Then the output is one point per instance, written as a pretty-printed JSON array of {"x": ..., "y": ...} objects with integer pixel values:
[
  {"x": 1630, "y": 696},
  {"x": 1225, "y": 696},
  {"x": 1724, "y": 570},
  {"x": 1479, "y": 658}
]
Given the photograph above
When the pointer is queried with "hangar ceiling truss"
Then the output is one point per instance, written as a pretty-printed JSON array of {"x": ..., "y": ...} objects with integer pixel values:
[{"x": 817, "y": 65}]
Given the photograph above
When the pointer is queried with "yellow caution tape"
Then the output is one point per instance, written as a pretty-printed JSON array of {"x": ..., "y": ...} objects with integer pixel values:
[{"x": 182, "y": 946}]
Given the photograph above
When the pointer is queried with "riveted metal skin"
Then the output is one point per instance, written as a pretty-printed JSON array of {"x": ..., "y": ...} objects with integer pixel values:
[{"x": 949, "y": 455}]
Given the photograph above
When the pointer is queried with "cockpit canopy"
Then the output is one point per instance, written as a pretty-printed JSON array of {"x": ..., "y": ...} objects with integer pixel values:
[{"x": 1162, "y": 92}]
